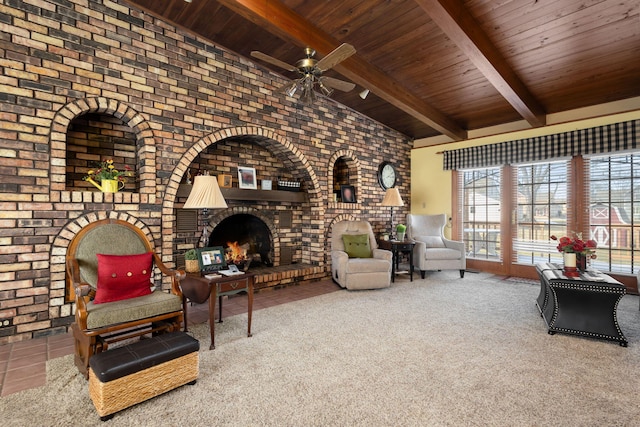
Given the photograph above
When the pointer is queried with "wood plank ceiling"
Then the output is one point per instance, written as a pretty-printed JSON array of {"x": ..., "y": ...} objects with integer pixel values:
[{"x": 440, "y": 66}]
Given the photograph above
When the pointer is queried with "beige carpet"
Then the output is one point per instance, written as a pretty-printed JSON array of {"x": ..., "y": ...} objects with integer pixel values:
[{"x": 439, "y": 351}]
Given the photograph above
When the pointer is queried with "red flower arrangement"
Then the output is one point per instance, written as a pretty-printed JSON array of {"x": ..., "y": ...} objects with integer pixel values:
[{"x": 576, "y": 245}]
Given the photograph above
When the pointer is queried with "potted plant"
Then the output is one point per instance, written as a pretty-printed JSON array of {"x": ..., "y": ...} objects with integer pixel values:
[
  {"x": 191, "y": 261},
  {"x": 400, "y": 230}
]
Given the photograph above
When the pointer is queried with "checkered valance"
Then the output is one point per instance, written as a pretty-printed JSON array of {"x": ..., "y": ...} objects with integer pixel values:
[{"x": 601, "y": 139}]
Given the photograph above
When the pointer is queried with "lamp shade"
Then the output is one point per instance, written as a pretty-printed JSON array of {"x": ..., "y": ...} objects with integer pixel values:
[
  {"x": 392, "y": 198},
  {"x": 205, "y": 194}
]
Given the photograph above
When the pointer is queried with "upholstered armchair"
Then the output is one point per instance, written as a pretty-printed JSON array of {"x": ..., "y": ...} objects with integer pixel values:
[
  {"x": 356, "y": 261},
  {"x": 110, "y": 264},
  {"x": 432, "y": 250}
]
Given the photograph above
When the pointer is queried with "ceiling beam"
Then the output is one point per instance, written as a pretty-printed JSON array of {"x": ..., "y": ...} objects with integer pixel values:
[
  {"x": 285, "y": 23},
  {"x": 457, "y": 23}
]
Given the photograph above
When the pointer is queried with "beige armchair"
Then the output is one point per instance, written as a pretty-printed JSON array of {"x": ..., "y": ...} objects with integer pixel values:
[
  {"x": 432, "y": 250},
  {"x": 111, "y": 265},
  {"x": 356, "y": 261}
]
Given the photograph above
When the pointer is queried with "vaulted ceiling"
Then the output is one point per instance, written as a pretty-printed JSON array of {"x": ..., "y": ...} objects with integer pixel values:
[{"x": 440, "y": 67}]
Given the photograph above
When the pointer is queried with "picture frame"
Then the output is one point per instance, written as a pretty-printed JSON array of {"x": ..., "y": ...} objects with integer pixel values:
[
  {"x": 348, "y": 194},
  {"x": 225, "y": 181},
  {"x": 266, "y": 184},
  {"x": 211, "y": 259},
  {"x": 247, "y": 178}
]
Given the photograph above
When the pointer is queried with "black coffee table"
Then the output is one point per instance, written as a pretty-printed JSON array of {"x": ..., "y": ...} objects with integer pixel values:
[{"x": 585, "y": 305}]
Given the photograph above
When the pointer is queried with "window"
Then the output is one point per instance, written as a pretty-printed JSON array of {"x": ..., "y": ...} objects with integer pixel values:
[
  {"x": 481, "y": 213},
  {"x": 542, "y": 211},
  {"x": 614, "y": 220}
]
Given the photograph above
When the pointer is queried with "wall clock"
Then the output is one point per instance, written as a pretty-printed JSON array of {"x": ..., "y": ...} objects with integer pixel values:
[{"x": 386, "y": 175}]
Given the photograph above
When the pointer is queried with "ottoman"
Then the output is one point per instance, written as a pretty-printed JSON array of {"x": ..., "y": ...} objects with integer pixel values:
[{"x": 131, "y": 374}]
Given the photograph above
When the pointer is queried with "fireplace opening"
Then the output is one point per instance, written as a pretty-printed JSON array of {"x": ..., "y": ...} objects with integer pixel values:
[{"x": 245, "y": 238}]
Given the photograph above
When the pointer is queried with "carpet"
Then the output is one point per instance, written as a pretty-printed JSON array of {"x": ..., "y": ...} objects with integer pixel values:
[{"x": 442, "y": 351}]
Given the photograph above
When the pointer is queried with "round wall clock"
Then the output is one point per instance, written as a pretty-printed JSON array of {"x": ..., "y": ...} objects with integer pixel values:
[{"x": 386, "y": 175}]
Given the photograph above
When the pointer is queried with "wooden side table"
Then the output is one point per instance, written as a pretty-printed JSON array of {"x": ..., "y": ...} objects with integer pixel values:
[
  {"x": 200, "y": 289},
  {"x": 398, "y": 247}
]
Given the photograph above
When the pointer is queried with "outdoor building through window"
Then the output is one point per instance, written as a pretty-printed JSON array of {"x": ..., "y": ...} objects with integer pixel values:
[
  {"x": 481, "y": 213},
  {"x": 614, "y": 212}
]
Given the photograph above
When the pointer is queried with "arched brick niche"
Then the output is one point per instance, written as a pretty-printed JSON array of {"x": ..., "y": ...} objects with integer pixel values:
[
  {"x": 137, "y": 128},
  {"x": 311, "y": 231},
  {"x": 343, "y": 169}
]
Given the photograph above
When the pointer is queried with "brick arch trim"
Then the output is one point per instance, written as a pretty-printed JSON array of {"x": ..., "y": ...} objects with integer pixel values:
[
  {"x": 66, "y": 235},
  {"x": 329, "y": 230},
  {"x": 145, "y": 142}
]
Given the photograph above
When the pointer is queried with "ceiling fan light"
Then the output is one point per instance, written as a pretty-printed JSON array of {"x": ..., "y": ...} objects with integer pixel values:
[
  {"x": 325, "y": 90},
  {"x": 291, "y": 89},
  {"x": 364, "y": 94}
]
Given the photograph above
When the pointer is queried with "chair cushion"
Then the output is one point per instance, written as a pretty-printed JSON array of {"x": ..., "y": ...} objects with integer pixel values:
[
  {"x": 431, "y": 241},
  {"x": 357, "y": 245},
  {"x": 123, "y": 276},
  {"x": 368, "y": 265},
  {"x": 442, "y": 253},
  {"x": 132, "y": 309}
]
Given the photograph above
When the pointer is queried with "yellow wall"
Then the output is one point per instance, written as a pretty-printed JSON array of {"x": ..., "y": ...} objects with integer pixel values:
[{"x": 431, "y": 185}]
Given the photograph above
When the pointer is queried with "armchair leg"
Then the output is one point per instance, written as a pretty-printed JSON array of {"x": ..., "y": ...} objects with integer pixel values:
[
  {"x": 461, "y": 274},
  {"x": 85, "y": 347},
  {"x": 422, "y": 273}
]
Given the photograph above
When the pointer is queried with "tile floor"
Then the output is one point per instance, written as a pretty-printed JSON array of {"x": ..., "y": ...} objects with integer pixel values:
[{"x": 22, "y": 364}]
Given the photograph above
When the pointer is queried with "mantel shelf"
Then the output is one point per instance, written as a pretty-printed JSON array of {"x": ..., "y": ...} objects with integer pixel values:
[{"x": 255, "y": 195}]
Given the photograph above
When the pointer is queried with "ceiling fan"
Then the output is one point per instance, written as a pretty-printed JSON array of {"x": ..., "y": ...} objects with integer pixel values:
[{"x": 310, "y": 71}]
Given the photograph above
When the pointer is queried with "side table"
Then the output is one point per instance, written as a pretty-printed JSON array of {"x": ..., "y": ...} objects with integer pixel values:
[
  {"x": 398, "y": 247},
  {"x": 200, "y": 289}
]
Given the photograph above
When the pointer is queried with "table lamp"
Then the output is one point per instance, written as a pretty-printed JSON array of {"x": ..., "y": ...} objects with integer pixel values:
[
  {"x": 205, "y": 195},
  {"x": 392, "y": 198}
]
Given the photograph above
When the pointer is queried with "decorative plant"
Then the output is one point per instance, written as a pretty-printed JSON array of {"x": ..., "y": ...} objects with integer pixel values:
[
  {"x": 106, "y": 170},
  {"x": 191, "y": 255},
  {"x": 401, "y": 228},
  {"x": 576, "y": 245}
]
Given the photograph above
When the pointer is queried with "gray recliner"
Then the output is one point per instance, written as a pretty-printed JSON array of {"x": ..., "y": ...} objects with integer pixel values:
[
  {"x": 371, "y": 272},
  {"x": 432, "y": 250}
]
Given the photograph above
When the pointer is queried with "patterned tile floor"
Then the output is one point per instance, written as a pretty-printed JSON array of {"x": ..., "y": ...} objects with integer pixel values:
[{"x": 22, "y": 364}]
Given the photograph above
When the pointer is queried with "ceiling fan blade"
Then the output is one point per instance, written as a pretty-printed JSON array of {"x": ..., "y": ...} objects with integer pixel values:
[
  {"x": 337, "y": 84},
  {"x": 336, "y": 56},
  {"x": 273, "y": 61}
]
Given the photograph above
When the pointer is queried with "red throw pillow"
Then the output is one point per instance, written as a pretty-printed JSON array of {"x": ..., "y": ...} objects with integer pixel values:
[{"x": 122, "y": 277}]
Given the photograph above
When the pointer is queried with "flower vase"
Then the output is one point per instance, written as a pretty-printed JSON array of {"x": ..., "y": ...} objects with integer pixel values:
[
  {"x": 570, "y": 265},
  {"x": 400, "y": 236}
]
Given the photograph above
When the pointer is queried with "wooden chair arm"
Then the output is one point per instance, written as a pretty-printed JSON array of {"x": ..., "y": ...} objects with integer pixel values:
[
  {"x": 81, "y": 290},
  {"x": 176, "y": 275}
]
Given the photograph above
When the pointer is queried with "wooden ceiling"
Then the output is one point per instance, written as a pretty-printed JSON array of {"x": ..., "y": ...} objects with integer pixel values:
[{"x": 440, "y": 67}]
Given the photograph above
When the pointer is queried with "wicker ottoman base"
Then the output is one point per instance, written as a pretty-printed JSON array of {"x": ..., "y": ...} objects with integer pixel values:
[{"x": 120, "y": 393}]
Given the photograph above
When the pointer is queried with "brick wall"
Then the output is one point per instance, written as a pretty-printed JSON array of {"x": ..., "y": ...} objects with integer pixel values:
[{"x": 180, "y": 99}]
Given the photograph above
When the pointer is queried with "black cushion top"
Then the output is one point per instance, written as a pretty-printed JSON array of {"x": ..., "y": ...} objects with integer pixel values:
[{"x": 140, "y": 355}]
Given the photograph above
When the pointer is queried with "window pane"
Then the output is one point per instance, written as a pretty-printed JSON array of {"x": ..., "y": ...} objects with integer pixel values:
[
  {"x": 615, "y": 212},
  {"x": 542, "y": 211},
  {"x": 481, "y": 213}
]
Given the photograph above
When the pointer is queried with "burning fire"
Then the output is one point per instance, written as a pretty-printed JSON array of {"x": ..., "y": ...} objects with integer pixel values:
[{"x": 236, "y": 254}]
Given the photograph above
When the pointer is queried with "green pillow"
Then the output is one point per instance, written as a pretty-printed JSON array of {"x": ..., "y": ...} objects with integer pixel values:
[{"x": 357, "y": 245}]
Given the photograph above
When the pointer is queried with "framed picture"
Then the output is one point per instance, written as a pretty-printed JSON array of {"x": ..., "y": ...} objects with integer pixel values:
[
  {"x": 348, "y": 193},
  {"x": 247, "y": 178},
  {"x": 211, "y": 259},
  {"x": 265, "y": 184},
  {"x": 224, "y": 181}
]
